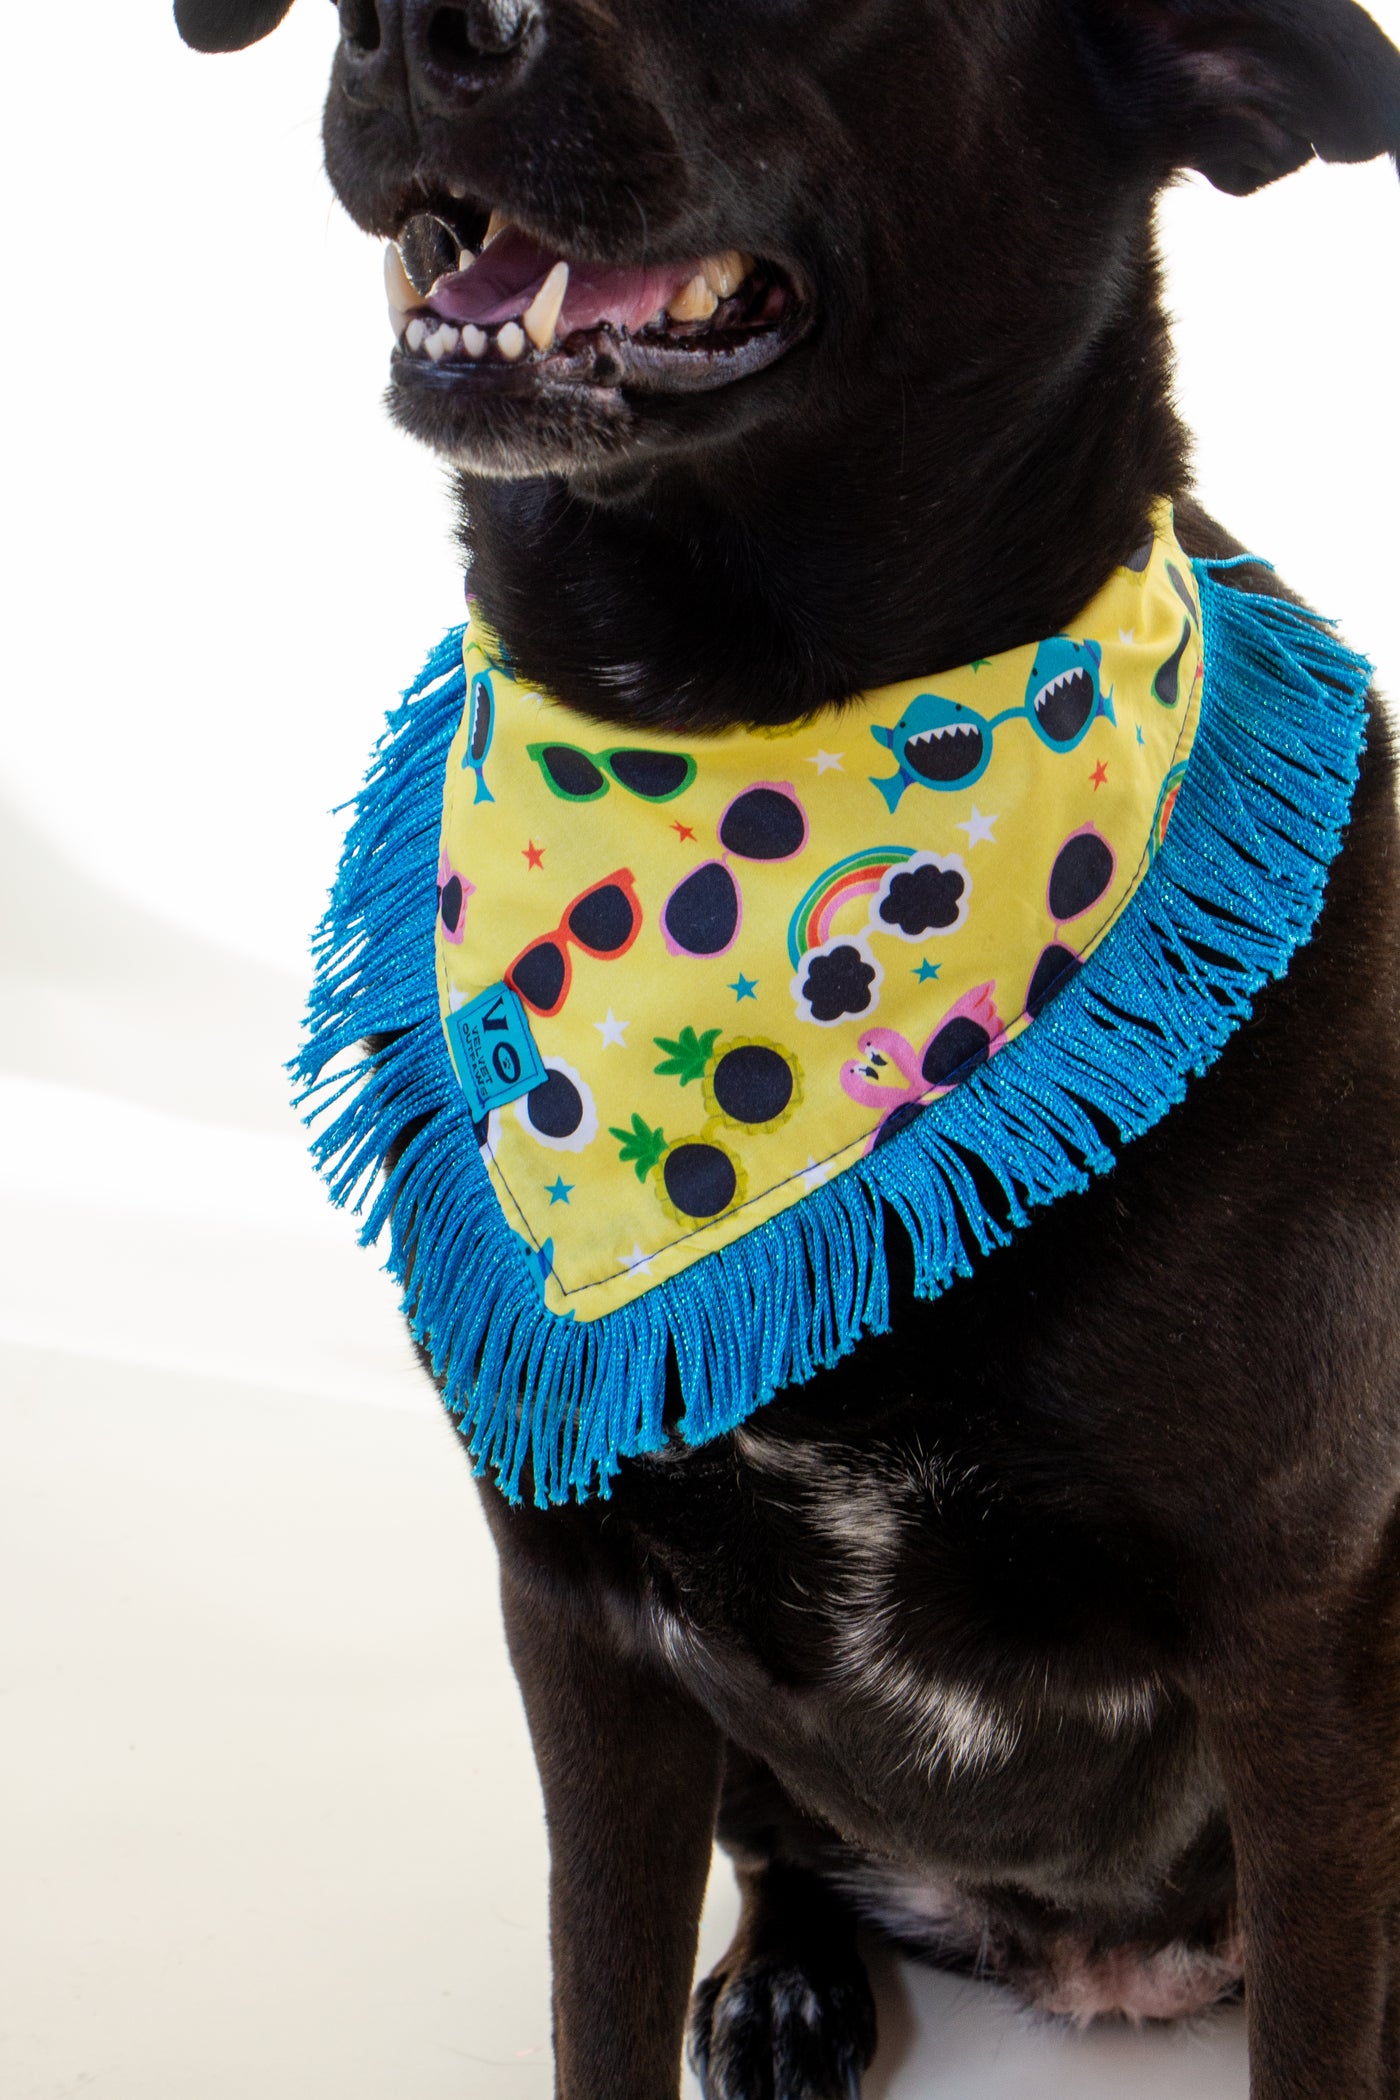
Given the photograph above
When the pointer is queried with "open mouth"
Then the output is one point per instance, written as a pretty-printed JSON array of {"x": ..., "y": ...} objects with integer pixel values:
[
  {"x": 947, "y": 753},
  {"x": 513, "y": 314},
  {"x": 1064, "y": 705}
]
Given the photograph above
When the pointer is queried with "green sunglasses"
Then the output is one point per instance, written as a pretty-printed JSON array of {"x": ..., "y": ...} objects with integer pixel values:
[{"x": 585, "y": 776}]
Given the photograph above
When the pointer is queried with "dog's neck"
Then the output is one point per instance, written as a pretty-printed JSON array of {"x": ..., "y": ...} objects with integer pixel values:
[{"x": 941, "y": 525}]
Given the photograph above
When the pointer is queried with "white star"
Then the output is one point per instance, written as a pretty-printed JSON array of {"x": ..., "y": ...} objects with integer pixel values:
[
  {"x": 815, "y": 1175},
  {"x": 979, "y": 828},
  {"x": 1127, "y": 634},
  {"x": 636, "y": 1263},
  {"x": 613, "y": 1031},
  {"x": 828, "y": 762}
]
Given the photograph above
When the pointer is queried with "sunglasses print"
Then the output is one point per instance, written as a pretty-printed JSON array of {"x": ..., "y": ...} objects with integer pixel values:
[
  {"x": 941, "y": 744},
  {"x": 575, "y": 775},
  {"x": 703, "y": 914},
  {"x": 1082, "y": 875},
  {"x": 453, "y": 891},
  {"x": 603, "y": 921},
  {"x": 481, "y": 727}
]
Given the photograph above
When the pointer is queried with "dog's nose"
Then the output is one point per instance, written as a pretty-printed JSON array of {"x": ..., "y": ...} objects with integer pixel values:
[{"x": 451, "y": 55}]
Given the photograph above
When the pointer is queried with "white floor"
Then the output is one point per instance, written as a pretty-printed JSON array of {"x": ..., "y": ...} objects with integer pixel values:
[{"x": 268, "y": 1818}]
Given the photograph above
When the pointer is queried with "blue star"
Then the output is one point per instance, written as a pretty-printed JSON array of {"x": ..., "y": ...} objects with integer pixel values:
[
  {"x": 561, "y": 1191},
  {"x": 745, "y": 988},
  {"x": 1140, "y": 737},
  {"x": 927, "y": 972}
]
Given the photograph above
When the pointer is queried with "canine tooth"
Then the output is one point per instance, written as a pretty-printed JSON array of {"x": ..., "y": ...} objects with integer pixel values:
[
  {"x": 693, "y": 302},
  {"x": 401, "y": 295},
  {"x": 465, "y": 258},
  {"x": 416, "y": 333},
  {"x": 725, "y": 273},
  {"x": 497, "y": 223},
  {"x": 475, "y": 340},
  {"x": 541, "y": 316},
  {"x": 441, "y": 342},
  {"x": 457, "y": 190},
  {"x": 511, "y": 341}
]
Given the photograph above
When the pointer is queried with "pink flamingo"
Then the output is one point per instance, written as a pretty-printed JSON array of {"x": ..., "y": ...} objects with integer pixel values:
[{"x": 890, "y": 1074}]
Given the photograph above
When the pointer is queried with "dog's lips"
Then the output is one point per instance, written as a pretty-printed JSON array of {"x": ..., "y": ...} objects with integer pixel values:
[{"x": 520, "y": 312}]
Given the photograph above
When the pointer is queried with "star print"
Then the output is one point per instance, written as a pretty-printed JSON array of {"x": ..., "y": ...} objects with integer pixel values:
[
  {"x": 561, "y": 1191},
  {"x": 1140, "y": 737},
  {"x": 828, "y": 762},
  {"x": 815, "y": 1175},
  {"x": 683, "y": 832},
  {"x": 534, "y": 854},
  {"x": 1127, "y": 635},
  {"x": 979, "y": 828},
  {"x": 745, "y": 987},
  {"x": 927, "y": 972},
  {"x": 1099, "y": 775},
  {"x": 635, "y": 1263},
  {"x": 613, "y": 1031},
  {"x": 981, "y": 663}
]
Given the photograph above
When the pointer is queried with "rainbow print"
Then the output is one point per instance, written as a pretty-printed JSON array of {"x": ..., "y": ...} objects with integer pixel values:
[
  {"x": 859, "y": 875},
  {"x": 1166, "y": 803}
]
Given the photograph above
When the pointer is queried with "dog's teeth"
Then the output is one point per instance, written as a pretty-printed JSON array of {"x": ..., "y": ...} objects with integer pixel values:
[
  {"x": 398, "y": 288},
  {"x": 475, "y": 341},
  {"x": 465, "y": 258},
  {"x": 693, "y": 302},
  {"x": 511, "y": 341},
  {"x": 457, "y": 190},
  {"x": 725, "y": 273},
  {"x": 541, "y": 316},
  {"x": 497, "y": 223},
  {"x": 442, "y": 342},
  {"x": 416, "y": 333}
]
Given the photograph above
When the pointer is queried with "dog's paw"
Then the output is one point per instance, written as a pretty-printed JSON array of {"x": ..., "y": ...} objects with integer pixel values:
[{"x": 783, "y": 2027}]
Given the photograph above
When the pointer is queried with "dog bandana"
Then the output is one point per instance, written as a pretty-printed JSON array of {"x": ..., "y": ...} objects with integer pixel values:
[{"x": 663, "y": 1028}]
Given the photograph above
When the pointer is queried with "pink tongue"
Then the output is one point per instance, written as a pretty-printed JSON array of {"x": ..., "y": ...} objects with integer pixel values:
[{"x": 504, "y": 279}]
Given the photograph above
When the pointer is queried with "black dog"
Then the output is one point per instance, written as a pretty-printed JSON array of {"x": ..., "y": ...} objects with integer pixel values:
[{"x": 1056, "y": 1633}]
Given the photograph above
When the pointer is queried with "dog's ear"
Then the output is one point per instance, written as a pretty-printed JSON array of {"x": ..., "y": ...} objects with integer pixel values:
[
  {"x": 1247, "y": 90},
  {"x": 227, "y": 25}
]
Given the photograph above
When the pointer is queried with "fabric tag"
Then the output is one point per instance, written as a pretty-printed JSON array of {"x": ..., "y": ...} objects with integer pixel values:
[{"x": 493, "y": 1051}]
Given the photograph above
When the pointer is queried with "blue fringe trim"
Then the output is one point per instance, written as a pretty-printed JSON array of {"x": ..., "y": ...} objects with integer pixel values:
[{"x": 1236, "y": 888}]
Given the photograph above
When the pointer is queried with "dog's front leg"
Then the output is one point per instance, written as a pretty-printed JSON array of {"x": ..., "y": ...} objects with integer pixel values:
[
  {"x": 1308, "y": 1752},
  {"x": 630, "y": 1769}
]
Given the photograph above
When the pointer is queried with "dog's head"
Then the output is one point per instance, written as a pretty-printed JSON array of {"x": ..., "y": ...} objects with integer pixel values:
[{"x": 634, "y": 229}]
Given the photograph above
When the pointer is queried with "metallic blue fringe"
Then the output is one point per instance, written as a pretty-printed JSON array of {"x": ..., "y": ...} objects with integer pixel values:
[{"x": 558, "y": 1404}]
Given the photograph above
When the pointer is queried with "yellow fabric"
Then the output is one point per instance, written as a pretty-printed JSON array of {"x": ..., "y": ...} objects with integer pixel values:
[{"x": 907, "y": 880}]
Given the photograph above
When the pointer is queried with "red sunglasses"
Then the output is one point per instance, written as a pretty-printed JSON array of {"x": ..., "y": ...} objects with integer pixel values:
[{"x": 603, "y": 921}]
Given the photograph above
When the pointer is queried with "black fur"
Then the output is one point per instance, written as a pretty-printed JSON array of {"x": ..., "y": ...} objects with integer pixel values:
[{"x": 1057, "y": 1629}]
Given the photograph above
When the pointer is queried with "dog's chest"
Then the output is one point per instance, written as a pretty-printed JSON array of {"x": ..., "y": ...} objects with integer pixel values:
[{"x": 883, "y": 1623}]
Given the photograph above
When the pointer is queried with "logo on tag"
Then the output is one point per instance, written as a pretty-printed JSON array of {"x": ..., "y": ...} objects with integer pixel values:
[{"x": 493, "y": 1051}]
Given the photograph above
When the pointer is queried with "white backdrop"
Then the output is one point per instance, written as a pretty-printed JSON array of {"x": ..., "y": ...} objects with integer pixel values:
[
  {"x": 269, "y": 1823},
  {"x": 224, "y": 562}
]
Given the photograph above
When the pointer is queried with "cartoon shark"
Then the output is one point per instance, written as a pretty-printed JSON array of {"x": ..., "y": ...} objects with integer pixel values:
[
  {"x": 481, "y": 727},
  {"x": 1063, "y": 695},
  {"x": 941, "y": 744},
  {"x": 936, "y": 744}
]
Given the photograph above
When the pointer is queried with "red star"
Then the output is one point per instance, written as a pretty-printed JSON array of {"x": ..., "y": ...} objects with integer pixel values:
[
  {"x": 683, "y": 832},
  {"x": 534, "y": 854},
  {"x": 1099, "y": 775}
]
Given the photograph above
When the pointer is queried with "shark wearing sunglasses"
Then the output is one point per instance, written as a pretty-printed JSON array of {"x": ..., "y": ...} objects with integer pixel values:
[{"x": 943, "y": 745}]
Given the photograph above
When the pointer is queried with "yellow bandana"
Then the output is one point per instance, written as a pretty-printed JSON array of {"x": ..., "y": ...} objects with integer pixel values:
[{"x": 685, "y": 983}]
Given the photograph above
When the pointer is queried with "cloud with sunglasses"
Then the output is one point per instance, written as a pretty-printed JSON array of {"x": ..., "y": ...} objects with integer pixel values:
[
  {"x": 924, "y": 896},
  {"x": 840, "y": 981}
]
